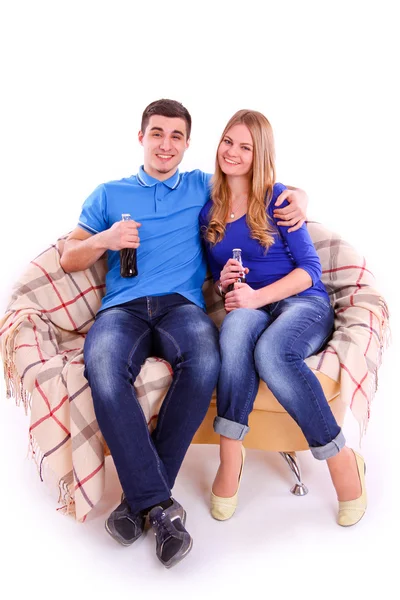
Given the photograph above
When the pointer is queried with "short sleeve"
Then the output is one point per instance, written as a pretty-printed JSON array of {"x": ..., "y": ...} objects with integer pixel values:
[
  {"x": 93, "y": 218},
  {"x": 207, "y": 180}
]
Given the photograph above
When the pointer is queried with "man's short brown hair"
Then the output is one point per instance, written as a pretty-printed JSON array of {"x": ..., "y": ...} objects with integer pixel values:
[{"x": 167, "y": 108}]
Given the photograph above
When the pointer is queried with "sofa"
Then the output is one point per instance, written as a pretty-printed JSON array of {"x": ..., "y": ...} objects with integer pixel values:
[{"x": 42, "y": 335}]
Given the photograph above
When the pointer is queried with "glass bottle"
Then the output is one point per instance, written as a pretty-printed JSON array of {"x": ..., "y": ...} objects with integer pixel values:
[
  {"x": 127, "y": 256},
  {"x": 237, "y": 255}
]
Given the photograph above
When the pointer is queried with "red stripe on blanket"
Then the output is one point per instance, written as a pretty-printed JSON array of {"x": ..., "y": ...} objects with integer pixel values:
[
  {"x": 161, "y": 360},
  {"x": 34, "y": 328},
  {"x": 151, "y": 419},
  {"x": 357, "y": 283},
  {"x": 56, "y": 291},
  {"x": 50, "y": 414},
  {"x": 11, "y": 324},
  {"x": 362, "y": 271},
  {"x": 64, "y": 304},
  {"x": 48, "y": 406},
  {"x": 345, "y": 268},
  {"x": 356, "y": 382},
  {"x": 92, "y": 474},
  {"x": 359, "y": 388},
  {"x": 342, "y": 310},
  {"x": 25, "y": 346},
  {"x": 371, "y": 330}
]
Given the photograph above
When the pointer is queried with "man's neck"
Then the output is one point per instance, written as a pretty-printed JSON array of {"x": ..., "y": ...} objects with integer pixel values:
[{"x": 158, "y": 174}]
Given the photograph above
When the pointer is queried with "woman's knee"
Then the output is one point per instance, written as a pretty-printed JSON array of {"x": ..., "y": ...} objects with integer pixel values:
[
  {"x": 271, "y": 356},
  {"x": 240, "y": 329}
]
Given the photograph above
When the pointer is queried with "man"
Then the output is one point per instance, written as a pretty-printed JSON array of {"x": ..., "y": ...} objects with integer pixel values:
[{"x": 159, "y": 312}]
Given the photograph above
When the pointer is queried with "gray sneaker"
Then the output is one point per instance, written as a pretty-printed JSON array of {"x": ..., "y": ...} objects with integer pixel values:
[
  {"x": 125, "y": 526},
  {"x": 173, "y": 542}
]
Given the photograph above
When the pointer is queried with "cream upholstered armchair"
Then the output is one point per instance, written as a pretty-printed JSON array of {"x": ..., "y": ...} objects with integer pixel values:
[{"x": 42, "y": 336}]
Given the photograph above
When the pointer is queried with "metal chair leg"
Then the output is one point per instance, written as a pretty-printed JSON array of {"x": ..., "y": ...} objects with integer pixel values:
[{"x": 299, "y": 489}]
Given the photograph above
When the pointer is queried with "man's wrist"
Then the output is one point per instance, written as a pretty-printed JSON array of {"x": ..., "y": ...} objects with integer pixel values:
[{"x": 100, "y": 241}]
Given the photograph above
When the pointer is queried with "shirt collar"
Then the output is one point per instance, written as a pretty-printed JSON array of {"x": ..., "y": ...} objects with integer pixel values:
[{"x": 147, "y": 180}]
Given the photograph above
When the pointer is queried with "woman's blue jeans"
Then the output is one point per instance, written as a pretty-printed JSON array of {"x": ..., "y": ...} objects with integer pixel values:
[
  {"x": 117, "y": 344},
  {"x": 271, "y": 343}
]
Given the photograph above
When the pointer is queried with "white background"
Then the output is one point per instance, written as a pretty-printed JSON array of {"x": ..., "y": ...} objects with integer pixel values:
[{"x": 75, "y": 78}]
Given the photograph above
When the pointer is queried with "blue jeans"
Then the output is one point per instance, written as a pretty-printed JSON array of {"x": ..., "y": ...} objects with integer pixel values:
[
  {"x": 271, "y": 343},
  {"x": 118, "y": 343}
]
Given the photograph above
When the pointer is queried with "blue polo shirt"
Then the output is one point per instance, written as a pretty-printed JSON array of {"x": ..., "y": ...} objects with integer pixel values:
[{"x": 170, "y": 257}]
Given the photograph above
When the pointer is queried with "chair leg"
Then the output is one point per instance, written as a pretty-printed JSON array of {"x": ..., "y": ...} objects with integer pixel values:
[{"x": 299, "y": 489}]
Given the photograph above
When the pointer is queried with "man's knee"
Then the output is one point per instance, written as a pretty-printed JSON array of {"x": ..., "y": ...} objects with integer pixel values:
[
  {"x": 100, "y": 368},
  {"x": 106, "y": 363},
  {"x": 199, "y": 346},
  {"x": 204, "y": 348}
]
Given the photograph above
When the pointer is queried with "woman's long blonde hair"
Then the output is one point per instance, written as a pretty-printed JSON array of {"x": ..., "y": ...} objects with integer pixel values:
[{"x": 262, "y": 179}]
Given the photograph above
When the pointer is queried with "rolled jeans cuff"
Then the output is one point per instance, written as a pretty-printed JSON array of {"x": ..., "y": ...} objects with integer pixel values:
[
  {"x": 330, "y": 449},
  {"x": 230, "y": 429}
]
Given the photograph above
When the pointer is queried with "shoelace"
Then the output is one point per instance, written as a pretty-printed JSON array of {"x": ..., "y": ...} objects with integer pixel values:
[{"x": 164, "y": 528}]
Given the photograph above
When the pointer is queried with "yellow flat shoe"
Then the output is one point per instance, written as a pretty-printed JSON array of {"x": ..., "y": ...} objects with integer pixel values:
[
  {"x": 352, "y": 511},
  {"x": 224, "y": 508}
]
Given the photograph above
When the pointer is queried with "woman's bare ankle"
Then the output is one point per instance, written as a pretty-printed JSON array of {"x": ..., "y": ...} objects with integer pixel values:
[
  {"x": 344, "y": 473},
  {"x": 227, "y": 477}
]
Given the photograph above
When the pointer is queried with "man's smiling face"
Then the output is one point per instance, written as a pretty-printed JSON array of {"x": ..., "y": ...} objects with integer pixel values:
[{"x": 164, "y": 142}]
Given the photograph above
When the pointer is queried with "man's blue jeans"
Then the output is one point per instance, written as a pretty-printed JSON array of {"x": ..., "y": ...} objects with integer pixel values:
[
  {"x": 118, "y": 343},
  {"x": 272, "y": 343}
]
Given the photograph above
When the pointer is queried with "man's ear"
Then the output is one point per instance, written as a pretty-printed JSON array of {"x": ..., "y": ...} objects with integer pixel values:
[
  {"x": 140, "y": 137},
  {"x": 187, "y": 143}
]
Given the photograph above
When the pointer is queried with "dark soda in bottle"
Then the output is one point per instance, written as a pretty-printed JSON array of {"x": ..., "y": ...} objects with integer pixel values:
[
  {"x": 237, "y": 255},
  {"x": 127, "y": 257}
]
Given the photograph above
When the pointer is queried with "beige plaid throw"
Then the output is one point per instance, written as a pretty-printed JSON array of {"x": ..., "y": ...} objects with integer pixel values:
[{"x": 42, "y": 336}]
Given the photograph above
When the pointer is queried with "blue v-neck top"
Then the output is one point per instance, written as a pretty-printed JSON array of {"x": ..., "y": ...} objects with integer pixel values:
[{"x": 289, "y": 251}]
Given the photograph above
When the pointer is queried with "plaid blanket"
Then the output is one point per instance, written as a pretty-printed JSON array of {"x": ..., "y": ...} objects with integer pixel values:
[{"x": 42, "y": 336}]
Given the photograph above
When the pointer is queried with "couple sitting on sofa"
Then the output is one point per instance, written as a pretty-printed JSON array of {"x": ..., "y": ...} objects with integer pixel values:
[{"x": 276, "y": 318}]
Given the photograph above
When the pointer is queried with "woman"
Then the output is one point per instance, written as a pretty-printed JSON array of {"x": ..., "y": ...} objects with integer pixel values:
[{"x": 276, "y": 319}]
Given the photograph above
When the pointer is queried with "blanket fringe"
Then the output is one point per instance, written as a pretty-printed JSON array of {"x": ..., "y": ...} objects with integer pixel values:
[
  {"x": 386, "y": 334},
  {"x": 385, "y": 341},
  {"x": 15, "y": 388},
  {"x": 49, "y": 477}
]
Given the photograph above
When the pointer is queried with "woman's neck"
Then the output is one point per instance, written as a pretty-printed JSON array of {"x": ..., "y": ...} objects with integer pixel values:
[{"x": 239, "y": 187}]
